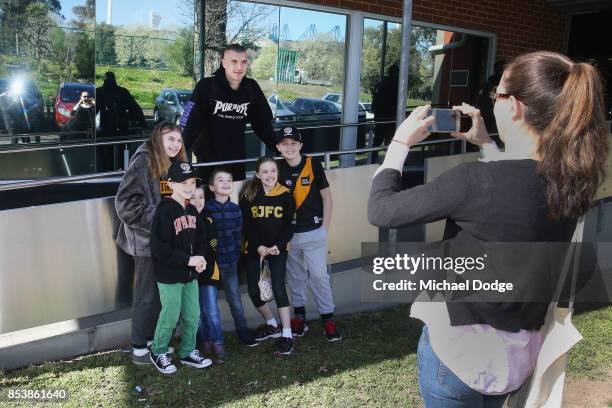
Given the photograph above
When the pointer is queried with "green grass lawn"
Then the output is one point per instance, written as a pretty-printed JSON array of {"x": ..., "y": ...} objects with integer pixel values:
[
  {"x": 375, "y": 365},
  {"x": 145, "y": 84}
]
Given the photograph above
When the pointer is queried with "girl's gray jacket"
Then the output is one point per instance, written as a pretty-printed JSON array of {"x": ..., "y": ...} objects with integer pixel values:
[{"x": 136, "y": 200}]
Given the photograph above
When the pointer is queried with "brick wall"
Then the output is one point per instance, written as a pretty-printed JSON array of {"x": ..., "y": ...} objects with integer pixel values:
[{"x": 520, "y": 25}]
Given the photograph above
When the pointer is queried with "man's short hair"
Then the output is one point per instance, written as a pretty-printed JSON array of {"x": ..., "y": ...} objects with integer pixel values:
[
  {"x": 235, "y": 48},
  {"x": 217, "y": 170}
]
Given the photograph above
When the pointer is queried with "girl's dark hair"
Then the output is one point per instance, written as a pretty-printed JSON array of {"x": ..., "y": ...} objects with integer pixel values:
[
  {"x": 564, "y": 104},
  {"x": 159, "y": 162},
  {"x": 253, "y": 186}
]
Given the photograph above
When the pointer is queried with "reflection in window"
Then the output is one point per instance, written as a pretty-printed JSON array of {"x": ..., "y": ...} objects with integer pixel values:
[{"x": 44, "y": 48}]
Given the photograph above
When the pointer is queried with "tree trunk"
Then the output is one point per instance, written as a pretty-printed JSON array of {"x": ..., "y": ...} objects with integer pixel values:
[{"x": 215, "y": 23}]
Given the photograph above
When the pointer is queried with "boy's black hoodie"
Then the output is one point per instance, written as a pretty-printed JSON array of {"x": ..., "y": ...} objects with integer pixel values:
[
  {"x": 215, "y": 118},
  {"x": 177, "y": 234},
  {"x": 269, "y": 219}
]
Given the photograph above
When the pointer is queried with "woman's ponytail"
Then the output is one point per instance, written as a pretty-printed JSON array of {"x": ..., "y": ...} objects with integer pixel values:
[{"x": 564, "y": 104}]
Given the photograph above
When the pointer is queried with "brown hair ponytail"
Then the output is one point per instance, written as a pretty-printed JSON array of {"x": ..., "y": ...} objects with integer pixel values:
[
  {"x": 253, "y": 186},
  {"x": 564, "y": 104}
]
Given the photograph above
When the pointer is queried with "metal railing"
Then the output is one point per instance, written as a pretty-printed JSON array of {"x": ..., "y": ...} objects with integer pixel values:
[
  {"x": 326, "y": 155},
  {"x": 138, "y": 139}
]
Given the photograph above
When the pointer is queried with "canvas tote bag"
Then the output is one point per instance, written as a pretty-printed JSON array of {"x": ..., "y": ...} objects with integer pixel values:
[{"x": 544, "y": 389}]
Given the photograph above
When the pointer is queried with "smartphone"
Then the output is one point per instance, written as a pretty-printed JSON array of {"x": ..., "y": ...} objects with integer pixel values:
[{"x": 447, "y": 120}]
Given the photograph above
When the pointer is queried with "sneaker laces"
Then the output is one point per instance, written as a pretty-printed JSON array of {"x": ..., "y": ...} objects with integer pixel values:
[
  {"x": 195, "y": 355},
  {"x": 164, "y": 359}
]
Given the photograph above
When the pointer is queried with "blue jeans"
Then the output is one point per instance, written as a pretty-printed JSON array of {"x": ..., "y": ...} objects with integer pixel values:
[
  {"x": 441, "y": 388},
  {"x": 210, "y": 318},
  {"x": 229, "y": 277}
]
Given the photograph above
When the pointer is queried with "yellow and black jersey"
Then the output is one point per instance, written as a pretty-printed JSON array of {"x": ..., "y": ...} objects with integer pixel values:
[
  {"x": 305, "y": 181},
  {"x": 268, "y": 219},
  {"x": 164, "y": 189}
]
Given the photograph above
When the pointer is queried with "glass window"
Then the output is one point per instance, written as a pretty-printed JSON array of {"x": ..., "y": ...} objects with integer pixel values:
[
  {"x": 46, "y": 62},
  {"x": 446, "y": 68}
]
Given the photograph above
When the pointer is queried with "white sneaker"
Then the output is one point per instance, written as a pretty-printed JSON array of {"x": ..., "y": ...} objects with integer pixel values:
[
  {"x": 195, "y": 360},
  {"x": 163, "y": 363}
]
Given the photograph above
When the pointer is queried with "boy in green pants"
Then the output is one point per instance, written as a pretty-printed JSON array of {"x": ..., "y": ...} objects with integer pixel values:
[{"x": 178, "y": 247}]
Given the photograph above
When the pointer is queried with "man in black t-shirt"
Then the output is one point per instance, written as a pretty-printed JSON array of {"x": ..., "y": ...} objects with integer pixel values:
[{"x": 307, "y": 257}]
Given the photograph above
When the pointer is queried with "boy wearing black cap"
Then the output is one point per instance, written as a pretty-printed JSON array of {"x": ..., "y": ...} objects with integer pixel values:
[
  {"x": 307, "y": 256},
  {"x": 178, "y": 248}
]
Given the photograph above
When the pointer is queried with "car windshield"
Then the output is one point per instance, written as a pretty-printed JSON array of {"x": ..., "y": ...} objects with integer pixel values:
[
  {"x": 183, "y": 97},
  {"x": 279, "y": 104},
  {"x": 72, "y": 94},
  {"x": 322, "y": 107}
]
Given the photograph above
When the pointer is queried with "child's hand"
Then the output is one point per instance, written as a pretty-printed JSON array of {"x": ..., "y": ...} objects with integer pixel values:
[
  {"x": 263, "y": 251},
  {"x": 200, "y": 268},
  {"x": 197, "y": 261},
  {"x": 274, "y": 250}
]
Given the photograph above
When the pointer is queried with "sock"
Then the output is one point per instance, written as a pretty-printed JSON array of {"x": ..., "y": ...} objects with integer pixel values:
[
  {"x": 300, "y": 312},
  {"x": 272, "y": 322},
  {"x": 287, "y": 333},
  {"x": 327, "y": 316},
  {"x": 139, "y": 352}
]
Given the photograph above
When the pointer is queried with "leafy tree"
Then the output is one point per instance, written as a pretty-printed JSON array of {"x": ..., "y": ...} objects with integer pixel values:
[
  {"x": 264, "y": 66},
  {"x": 61, "y": 53},
  {"x": 35, "y": 31},
  {"x": 86, "y": 15},
  {"x": 179, "y": 54},
  {"x": 105, "y": 45},
  {"x": 85, "y": 55},
  {"x": 322, "y": 58}
]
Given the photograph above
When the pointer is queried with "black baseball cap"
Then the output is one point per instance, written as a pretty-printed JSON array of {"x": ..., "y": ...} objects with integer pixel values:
[
  {"x": 180, "y": 171},
  {"x": 290, "y": 132}
]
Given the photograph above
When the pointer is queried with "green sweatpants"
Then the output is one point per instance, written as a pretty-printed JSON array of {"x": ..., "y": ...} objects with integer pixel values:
[{"x": 177, "y": 299}]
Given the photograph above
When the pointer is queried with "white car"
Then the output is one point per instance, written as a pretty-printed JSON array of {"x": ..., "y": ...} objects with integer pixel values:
[{"x": 336, "y": 98}]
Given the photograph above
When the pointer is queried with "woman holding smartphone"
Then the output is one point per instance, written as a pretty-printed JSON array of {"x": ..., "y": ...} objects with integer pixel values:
[{"x": 549, "y": 112}]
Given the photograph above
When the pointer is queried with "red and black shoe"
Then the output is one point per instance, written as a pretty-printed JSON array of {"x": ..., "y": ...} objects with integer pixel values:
[
  {"x": 298, "y": 327},
  {"x": 331, "y": 332}
]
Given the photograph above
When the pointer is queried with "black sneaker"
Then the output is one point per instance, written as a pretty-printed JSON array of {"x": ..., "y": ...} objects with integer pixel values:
[
  {"x": 298, "y": 327},
  {"x": 249, "y": 341},
  {"x": 331, "y": 332},
  {"x": 266, "y": 331},
  {"x": 163, "y": 363},
  {"x": 195, "y": 360},
  {"x": 284, "y": 346}
]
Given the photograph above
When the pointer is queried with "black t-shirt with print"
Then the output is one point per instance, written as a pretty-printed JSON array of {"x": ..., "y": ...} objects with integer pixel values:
[{"x": 310, "y": 214}]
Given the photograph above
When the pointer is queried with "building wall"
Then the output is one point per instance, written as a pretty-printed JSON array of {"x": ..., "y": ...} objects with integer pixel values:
[{"x": 520, "y": 25}]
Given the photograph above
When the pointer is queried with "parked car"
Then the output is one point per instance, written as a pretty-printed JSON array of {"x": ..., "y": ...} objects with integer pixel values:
[
  {"x": 68, "y": 94},
  {"x": 332, "y": 97},
  {"x": 309, "y": 110},
  {"x": 281, "y": 112},
  {"x": 30, "y": 100},
  {"x": 169, "y": 104},
  {"x": 365, "y": 107}
]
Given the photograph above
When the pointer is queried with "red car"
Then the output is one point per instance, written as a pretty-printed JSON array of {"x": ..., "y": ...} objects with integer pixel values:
[{"x": 68, "y": 94}]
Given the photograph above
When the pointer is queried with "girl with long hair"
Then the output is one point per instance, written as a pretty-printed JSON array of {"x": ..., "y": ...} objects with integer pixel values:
[
  {"x": 141, "y": 189},
  {"x": 268, "y": 212}
]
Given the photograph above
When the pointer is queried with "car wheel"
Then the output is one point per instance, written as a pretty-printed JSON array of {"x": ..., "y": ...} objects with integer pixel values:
[{"x": 155, "y": 115}]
